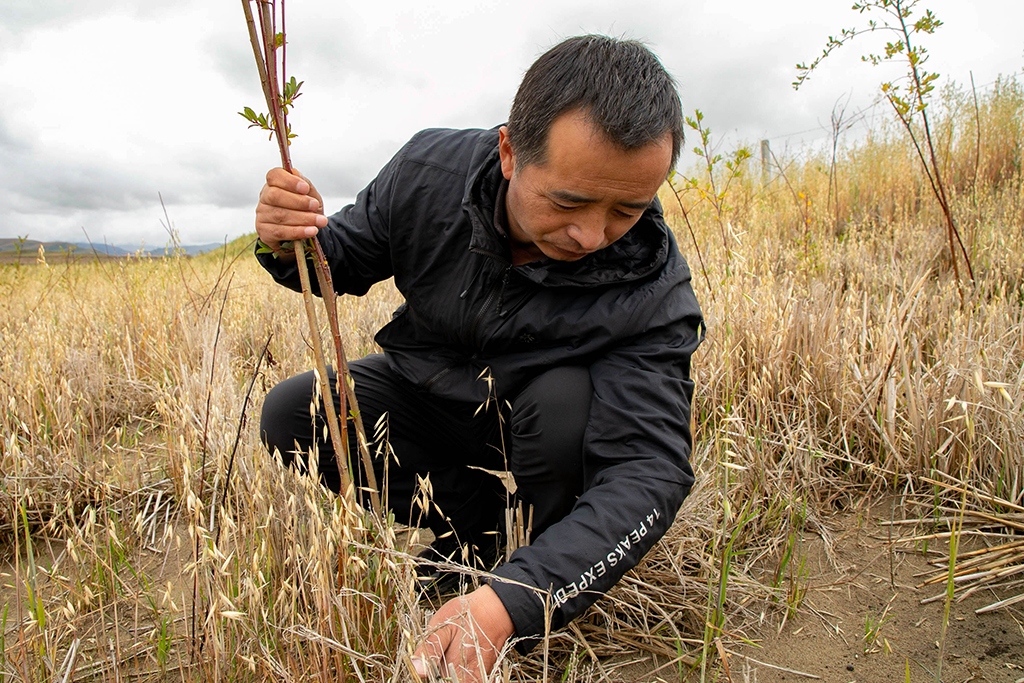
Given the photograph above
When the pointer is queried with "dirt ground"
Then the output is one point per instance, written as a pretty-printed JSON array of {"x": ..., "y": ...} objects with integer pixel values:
[
  {"x": 856, "y": 626},
  {"x": 853, "y": 625}
]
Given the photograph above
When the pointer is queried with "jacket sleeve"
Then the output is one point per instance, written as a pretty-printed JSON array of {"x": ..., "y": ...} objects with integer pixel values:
[
  {"x": 636, "y": 462},
  {"x": 356, "y": 241}
]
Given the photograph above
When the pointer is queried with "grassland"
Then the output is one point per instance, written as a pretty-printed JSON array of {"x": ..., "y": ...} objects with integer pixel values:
[{"x": 144, "y": 534}]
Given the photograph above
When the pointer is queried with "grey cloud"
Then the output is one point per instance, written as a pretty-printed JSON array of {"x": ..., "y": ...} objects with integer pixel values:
[
  {"x": 20, "y": 15},
  {"x": 333, "y": 50},
  {"x": 223, "y": 183},
  {"x": 41, "y": 182},
  {"x": 53, "y": 187},
  {"x": 9, "y": 143},
  {"x": 493, "y": 111},
  {"x": 325, "y": 49},
  {"x": 231, "y": 57},
  {"x": 346, "y": 178}
]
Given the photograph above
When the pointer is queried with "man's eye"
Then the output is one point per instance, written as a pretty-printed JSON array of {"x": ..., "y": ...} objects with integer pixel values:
[{"x": 564, "y": 207}]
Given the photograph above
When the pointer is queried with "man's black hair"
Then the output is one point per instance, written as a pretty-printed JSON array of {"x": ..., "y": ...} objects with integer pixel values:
[{"x": 619, "y": 85}]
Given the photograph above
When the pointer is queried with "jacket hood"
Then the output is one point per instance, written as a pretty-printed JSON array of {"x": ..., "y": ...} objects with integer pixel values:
[{"x": 636, "y": 255}]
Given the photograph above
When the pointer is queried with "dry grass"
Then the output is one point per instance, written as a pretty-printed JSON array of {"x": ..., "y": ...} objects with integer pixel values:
[
  {"x": 840, "y": 362},
  {"x": 123, "y": 386}
]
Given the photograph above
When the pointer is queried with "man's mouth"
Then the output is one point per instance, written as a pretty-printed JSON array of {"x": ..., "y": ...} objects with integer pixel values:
[{"x": 570, "y": 253}]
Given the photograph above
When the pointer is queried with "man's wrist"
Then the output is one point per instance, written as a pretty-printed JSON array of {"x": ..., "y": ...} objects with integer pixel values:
[{"x": 494, "y": 618}]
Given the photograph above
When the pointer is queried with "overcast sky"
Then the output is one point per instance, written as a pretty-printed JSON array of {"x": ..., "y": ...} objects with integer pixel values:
[{"x": 107, "y": 103}]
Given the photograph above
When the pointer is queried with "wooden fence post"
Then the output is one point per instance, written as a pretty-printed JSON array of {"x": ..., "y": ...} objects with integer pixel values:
[{"x": 766, "y": 154}]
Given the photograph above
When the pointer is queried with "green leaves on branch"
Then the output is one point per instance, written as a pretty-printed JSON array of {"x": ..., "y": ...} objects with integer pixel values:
[
  {"x": 258, "y": 121},
  {"x": 897, "y": 20},
  {"x": 287, "y": 99},
  {"x": 710, "y": 190},
  {"x": 291, "y": 92},
  {"x": 285, "y": 247},
  {"x": 804, "y": 71}
]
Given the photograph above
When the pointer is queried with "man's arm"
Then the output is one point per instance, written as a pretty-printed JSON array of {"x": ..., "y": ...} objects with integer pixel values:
[{"x": 637, "y": 471}]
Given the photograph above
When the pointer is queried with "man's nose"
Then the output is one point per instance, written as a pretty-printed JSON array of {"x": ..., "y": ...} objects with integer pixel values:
[{"x": 588, "y": 231}]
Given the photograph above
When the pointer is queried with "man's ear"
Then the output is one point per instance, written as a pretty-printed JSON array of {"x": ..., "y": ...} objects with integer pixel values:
[{"x": 508, "y": 157}]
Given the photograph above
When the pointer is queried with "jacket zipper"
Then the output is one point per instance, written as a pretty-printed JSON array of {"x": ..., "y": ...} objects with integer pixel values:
[
  {"x": 437, "y": 376},
  {"x": 504, "y": 284},
  {"x": 497, "y": 291}
]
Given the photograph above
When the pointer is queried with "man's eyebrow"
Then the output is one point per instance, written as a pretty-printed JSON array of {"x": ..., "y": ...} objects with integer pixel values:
[
  {"x": 639, "y": 206},
  {"x": 567, "y": 196}
]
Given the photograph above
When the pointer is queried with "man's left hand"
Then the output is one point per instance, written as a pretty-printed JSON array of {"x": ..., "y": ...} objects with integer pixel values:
[{"x": 467, "y": 635}]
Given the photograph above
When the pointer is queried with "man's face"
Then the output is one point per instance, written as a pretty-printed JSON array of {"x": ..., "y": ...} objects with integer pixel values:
[{"x": 587, "y": 193}]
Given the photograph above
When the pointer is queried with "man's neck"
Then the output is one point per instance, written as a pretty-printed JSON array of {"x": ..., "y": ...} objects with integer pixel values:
[{"x": 522, "y": 252}]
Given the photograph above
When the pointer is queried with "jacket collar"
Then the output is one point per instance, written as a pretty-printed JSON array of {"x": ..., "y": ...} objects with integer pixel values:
[{"x": 482, "y": 201}]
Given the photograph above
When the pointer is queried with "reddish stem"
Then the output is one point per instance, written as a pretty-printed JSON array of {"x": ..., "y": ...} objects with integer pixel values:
[{"x": 266, "y": 61}]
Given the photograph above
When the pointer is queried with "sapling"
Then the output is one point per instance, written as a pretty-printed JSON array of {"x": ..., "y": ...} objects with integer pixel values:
[
  {"x": 714, "y": 192},
  {"x": 364, "y": 582},
  {"x": 280, "y": 94},
  {"x": 909, "y": 99},
  {"x": 693, "y": 237}
]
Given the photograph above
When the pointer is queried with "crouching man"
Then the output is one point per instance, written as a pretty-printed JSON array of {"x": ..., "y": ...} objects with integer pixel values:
[{"x": 536, "y": 253}]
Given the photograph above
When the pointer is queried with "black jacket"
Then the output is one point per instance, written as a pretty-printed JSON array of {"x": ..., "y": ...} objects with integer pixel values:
[{"x": 627, "y": 311}]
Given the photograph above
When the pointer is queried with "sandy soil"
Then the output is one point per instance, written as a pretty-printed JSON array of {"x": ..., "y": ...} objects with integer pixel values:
[
  {"x": 847, "y": 595},
  {"x": 833, "y": 637}
]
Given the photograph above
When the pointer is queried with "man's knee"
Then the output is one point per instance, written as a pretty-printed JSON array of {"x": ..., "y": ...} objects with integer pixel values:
[
  {"x": 288, "y": 429},
  {"x": 285, "y": 417},
  {"x": 549, "y": 420}
]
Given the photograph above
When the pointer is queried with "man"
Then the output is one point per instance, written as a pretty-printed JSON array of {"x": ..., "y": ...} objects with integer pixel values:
[{"x": 534, "y": 255}]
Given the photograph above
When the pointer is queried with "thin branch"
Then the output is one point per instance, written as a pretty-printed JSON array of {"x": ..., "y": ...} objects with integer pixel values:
[
  {"x": 254, "y": 39},
  {"x": 344, "y": 386},
  {"x": 919, "y": 91},
  {"x": 693, "y": 237},
  {"x": 270, "y": 56},
  {"x": 325, "y": 386},
  {"x": 238, "y": 438}
]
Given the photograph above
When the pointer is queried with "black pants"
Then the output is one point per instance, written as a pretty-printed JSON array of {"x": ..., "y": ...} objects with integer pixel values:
[{"x": 539, "y": 439}]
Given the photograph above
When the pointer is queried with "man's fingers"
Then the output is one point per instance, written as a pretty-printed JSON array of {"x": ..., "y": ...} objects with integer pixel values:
[
  {"x": 430, "y": 655},
  {"x": 275, "y": 225},
  {"x": 273, "y": 235},
  {"x": 468, "y": 633},
  {"x": 280, "y": 215},
  {"x": 306, "y": 187},
  {"x": 293, "y": 182},
  {"x": 451, "y": 648},
  {"x": 283, "y": 198},
  {"x": 419, "y": 666},
  {"x": 289, "y": 208},
  {"x": 455, "y": 647}
]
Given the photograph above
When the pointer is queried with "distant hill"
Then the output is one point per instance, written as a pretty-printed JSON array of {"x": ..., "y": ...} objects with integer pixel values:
[
  {"x": 239, "y": 246},
  {"x": 29, "y": 248},
  {"x": 195, "y": 249}
]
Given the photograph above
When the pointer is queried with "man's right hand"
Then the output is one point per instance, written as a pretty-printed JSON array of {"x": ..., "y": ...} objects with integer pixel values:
[{"x": 289, "y": 208}]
